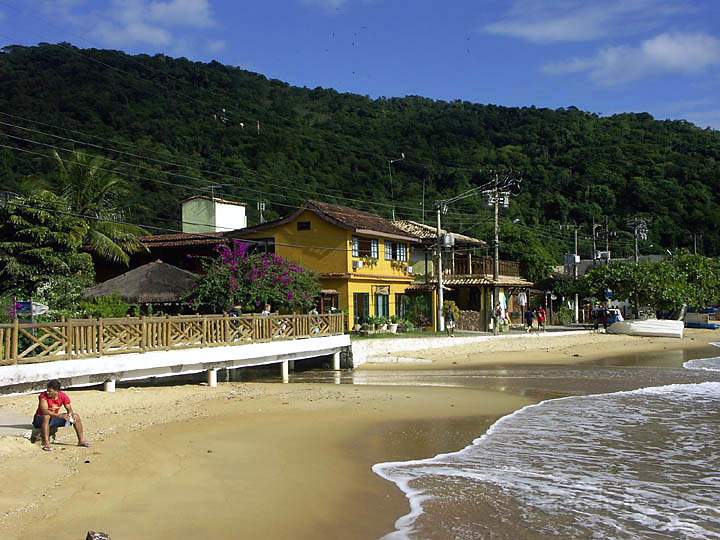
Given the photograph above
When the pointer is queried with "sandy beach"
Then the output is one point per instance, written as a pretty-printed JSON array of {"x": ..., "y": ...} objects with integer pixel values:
[{"x": 264, "y": 459}]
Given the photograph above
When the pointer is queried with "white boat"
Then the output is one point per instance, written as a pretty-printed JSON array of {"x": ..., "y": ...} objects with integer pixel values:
[{"x": 649, "y": 328}]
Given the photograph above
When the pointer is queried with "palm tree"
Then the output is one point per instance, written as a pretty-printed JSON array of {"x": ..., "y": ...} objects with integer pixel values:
[{"x": 94, "y": 192}]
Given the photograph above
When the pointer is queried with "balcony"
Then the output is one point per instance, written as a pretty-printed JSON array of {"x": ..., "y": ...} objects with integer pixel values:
[{"x": 460, "y": 265}]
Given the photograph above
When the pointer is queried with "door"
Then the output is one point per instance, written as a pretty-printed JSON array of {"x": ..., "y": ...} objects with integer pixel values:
[{"x": 361, "y": 303}]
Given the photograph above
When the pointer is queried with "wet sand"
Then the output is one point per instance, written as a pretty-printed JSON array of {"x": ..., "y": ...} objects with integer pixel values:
[{"x": 263, "y": 460}]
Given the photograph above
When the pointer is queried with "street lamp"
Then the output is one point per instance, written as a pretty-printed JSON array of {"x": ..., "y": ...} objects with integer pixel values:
[{"x": 392, "y": 188}]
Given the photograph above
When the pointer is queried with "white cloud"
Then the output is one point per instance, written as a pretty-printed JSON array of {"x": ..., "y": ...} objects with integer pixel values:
[
  {"x": 547, "y": 21},
  {"x": 703, "y": 119},
  {"x": 328, "y": 5},
  {"x": 216, "y": 45},
  {"x": 131, "y": 33},
  {"x": 681, "y": 53},
  {"x": 127, "y": 23},
  {"x": 194, "y": 13}
]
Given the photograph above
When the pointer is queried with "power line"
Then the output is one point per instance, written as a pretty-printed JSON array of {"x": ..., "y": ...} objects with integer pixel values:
[{"x": 230, "y": 186}]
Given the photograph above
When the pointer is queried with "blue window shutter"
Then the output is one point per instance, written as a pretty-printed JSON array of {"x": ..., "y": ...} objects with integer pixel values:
[
  {"x": 374, "y": 249},
  {"x": 388, "y": 250},
  {"x": 355, "y": 247}
]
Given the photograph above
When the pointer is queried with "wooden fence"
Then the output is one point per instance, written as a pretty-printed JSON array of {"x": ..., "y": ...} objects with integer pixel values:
[{"x": 27, "y": 343}]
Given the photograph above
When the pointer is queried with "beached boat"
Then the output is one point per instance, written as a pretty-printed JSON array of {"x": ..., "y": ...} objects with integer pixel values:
[{"x": 649, "y": 328}]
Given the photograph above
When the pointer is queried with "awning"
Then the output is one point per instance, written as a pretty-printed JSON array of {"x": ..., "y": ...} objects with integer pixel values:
[
  {"x": 475, "y": 280},
  {"x": 329, "y": 292},
  {"x": 424, "y": 287}
]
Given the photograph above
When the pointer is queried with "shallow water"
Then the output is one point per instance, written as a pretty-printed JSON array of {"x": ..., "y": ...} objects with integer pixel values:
[{"x": 629, "y": 449}]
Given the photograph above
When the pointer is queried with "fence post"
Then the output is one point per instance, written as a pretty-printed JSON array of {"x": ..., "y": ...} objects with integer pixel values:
[
  {"x": 101, "y": 336},
  {"x": 143, "y": 333},
  {"x": 15, "y": 339},
  {"x": 204, "y": 330},
  {"x": 226, "y": 328},
  {"x": 68, "y": 338},
  {"x": 168, "y": 328}
]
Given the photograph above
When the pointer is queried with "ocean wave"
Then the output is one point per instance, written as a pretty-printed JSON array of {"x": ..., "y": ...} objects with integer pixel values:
[
  {"x": 639, "y": 463},
  {"x": 707, "y": 364}
]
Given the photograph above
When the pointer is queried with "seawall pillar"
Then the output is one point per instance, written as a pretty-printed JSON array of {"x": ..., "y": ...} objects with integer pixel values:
[{"x": 212, "y": 378}]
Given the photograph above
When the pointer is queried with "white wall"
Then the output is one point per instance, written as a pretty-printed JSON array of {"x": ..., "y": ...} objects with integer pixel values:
[
  {"x": 94, "y": 371},
  {"x": 229, "y": 217}
]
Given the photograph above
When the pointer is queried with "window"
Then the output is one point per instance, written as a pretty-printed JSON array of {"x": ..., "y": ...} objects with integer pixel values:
[
  {"x": 361, "y": 303},
  {"x": 395, "y": 251},
  {"x": 382, "y": 305},
  {"x": 365, "y": 247},
  {"x": 402, "y": 252},
  {"x": 262, "y": 245},
  {"x": 304, "y": 226}
]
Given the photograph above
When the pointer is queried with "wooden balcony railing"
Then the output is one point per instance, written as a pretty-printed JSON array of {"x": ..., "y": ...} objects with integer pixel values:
[
  {"x": 27, "y": 343},
  {"x": 482, "y": 266}
]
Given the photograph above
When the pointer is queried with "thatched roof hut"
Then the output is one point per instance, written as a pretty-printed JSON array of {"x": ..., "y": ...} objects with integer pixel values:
[{"x": 152, "y": 283}]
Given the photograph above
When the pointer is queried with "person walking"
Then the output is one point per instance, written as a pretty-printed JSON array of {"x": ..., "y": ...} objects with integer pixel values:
[
  {"x": 450, "y": 322},
  {"x": 541, "y": 318},
  {"x": 529, "y": 318},
  {"x": 497, "y": 318}
]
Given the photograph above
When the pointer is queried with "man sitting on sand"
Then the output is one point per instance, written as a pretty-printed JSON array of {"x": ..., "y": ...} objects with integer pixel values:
[{"x": 48, "y": 415}]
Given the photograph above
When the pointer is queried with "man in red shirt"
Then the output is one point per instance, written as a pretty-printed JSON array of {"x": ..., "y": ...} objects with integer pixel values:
[{"x": 48, "y": 415}]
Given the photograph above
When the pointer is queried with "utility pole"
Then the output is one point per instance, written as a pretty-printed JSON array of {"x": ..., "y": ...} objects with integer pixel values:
[
  {"x": 695, "y": 237},
  {"x": 594, "y": 237},
  {"x": 607, "y": 235},
  {"x": 440, "y": 314},
  {"x": 496, "y": 240},
  {"x": 575, "y": 277},
  {"x": 498, "y": 192},
  {"x": 497, "y": 195}
]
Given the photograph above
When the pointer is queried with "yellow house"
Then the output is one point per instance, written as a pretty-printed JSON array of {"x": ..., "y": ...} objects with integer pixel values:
[{"x": 362, "y": 259}]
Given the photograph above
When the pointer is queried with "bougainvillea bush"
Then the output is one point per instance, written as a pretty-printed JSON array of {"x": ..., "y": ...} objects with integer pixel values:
[{"x": 237, "y": 277}]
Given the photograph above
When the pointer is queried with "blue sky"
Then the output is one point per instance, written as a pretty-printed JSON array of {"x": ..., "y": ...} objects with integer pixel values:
[{"x": 605, "y": 56}]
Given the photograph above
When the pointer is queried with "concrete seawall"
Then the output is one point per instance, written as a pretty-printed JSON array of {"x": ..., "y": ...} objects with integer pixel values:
[{"x": 107, "y": 370}]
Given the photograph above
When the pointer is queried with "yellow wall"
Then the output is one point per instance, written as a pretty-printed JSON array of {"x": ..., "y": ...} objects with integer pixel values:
[
  {"x": 322, "y": 249},
  {"x": 327, "y": 249}
]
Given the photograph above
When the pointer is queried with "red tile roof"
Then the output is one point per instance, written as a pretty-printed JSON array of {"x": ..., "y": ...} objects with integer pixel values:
[
  {"x": 182, "y": 239},
  {"x": 356, "y": 219}
]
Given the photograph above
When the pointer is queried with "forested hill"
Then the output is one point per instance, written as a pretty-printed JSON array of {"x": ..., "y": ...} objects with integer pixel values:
[{"x": 158, "y": 115}]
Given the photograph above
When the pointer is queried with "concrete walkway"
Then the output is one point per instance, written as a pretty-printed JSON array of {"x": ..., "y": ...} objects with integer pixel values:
[
  {"x": 14, "y": 425},
  {"x": 385, "y": 350}
]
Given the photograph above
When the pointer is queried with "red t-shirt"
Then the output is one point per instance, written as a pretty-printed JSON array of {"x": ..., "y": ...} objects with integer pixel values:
[{"x": 53, "y": 404}]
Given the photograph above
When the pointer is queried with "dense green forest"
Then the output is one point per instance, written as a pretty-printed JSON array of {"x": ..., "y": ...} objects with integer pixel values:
[{"x": 175, "y": 127}]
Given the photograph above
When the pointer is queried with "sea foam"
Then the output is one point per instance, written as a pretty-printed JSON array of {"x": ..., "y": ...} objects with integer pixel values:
[{"x": 640, "y": 463}]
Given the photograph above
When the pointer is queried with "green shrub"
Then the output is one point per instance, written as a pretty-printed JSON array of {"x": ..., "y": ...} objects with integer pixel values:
[
  {"x": 565, "y": 315},
  {"x": 108, "y": 307}
]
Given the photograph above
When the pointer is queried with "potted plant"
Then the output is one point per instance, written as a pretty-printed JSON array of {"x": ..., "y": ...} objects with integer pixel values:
[
  {"x": 381, "y": 324},
  {"x": 393, "y": 326}
]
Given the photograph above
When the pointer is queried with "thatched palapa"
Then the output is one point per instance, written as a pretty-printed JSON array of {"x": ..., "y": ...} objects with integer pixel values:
[{"x": 152, "y": 283}]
